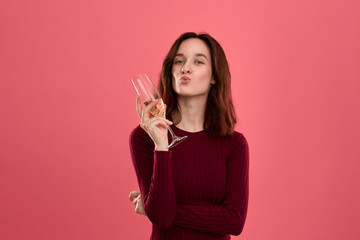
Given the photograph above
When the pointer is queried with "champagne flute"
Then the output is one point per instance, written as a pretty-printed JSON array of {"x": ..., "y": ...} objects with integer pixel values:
[{"x": 148, "y": 93}]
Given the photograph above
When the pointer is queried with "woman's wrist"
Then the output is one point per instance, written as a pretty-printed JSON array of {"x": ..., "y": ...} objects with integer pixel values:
[{"x": 161, "y": 148}]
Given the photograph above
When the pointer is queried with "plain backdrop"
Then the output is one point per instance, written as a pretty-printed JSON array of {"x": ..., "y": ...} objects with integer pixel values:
[{"x": 67, "y": 107}]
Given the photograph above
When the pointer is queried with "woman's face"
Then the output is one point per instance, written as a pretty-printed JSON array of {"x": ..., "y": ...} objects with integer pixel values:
[{"x": 191, "y": 71}]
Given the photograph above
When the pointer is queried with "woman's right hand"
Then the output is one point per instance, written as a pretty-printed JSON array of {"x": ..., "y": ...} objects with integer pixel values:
[
  {"x": 156, "y": 127},
  {"x": 138, "y": 201}
]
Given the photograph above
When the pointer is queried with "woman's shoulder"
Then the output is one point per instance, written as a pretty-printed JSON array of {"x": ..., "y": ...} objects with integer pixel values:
[
  {"x": 238, "y": 138},
  {"x": 137, "y": 131},
  {"x": 238, "y": 135},
  {"x": 238, "y": 147}
]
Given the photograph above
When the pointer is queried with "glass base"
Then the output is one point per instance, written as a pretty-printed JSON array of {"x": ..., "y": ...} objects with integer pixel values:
[{"x": 176, "y": 141}]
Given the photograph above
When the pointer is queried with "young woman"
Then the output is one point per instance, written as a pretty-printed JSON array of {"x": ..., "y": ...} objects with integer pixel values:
[{"x": 199, "y": 188}]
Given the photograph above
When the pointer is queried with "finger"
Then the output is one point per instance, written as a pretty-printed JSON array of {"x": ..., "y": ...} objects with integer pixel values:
[
  {"x": 133, "y": 194},
  {"x": 138, "y": 106},
  {"x": 140, "y": 209},
  {"x": 137, "y": 199},
  {"x": 156, "y": 119},
  {"x": 146, "y": 110},
  {"x": 137, "y": 210},
  {"x": 156, "y": 122}
]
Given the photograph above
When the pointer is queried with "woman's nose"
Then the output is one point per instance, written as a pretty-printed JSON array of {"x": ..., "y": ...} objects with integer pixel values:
[{"x": 185, "y": 69}]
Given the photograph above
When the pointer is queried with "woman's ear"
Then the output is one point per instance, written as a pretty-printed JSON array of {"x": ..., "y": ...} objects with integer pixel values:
[{"x": 212, "y": 81}]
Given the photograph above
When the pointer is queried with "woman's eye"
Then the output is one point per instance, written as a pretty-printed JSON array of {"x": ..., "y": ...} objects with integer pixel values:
[
  {"x": 178, "y": 61},
  {"x": 198, "y": 62}
]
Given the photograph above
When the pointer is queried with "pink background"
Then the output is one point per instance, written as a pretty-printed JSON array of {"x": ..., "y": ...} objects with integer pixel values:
[{"x": 67, "y": 107}]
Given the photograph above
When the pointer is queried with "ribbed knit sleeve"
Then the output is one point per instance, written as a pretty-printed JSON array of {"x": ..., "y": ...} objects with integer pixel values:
[
  {"x": 154, "y": 172},
  {"x": 229, "y": 217}
]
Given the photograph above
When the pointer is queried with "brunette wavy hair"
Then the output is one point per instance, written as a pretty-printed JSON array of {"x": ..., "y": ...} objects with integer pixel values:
[{"x": 220, "y": 115}]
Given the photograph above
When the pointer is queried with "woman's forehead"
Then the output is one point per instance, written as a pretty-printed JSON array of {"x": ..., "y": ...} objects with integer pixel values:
[{"x": 193, "y": 46}]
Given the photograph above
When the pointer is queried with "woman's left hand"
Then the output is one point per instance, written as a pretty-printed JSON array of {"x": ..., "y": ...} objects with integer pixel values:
[{"x": 136, "y": 198}]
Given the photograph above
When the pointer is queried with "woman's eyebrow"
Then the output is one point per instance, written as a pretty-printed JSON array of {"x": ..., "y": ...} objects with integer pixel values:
[
  {"x": 197, "y": 54},
  {"x": 201, "y": 55}
]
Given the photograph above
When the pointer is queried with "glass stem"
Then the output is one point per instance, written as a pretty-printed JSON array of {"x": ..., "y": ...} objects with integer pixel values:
[
  {"x": 172, "y": 134},
  {"x": 175, "y": 139}
]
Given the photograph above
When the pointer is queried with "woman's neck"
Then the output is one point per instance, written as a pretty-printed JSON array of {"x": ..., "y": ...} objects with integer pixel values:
[{"x": 192, "y": 111}]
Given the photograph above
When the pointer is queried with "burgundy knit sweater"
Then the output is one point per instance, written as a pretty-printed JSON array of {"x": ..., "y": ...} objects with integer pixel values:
[{"x": 198, "y": 189}]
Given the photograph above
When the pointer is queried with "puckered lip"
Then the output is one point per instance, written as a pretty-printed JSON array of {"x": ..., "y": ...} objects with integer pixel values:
[{"x": 184, "y": 78}]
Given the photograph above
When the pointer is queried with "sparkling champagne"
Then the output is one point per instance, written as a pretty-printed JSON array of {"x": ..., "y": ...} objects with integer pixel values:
[{"x": 158, "y": 109}]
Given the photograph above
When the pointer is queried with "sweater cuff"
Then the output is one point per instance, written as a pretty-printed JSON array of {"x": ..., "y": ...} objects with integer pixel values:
[
  {"x": 162, "y": 155},
  {"x": 163, "y": 163}
]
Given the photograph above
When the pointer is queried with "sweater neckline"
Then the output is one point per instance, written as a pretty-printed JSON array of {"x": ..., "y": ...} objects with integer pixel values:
[{"x": 186, "y": 132}]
